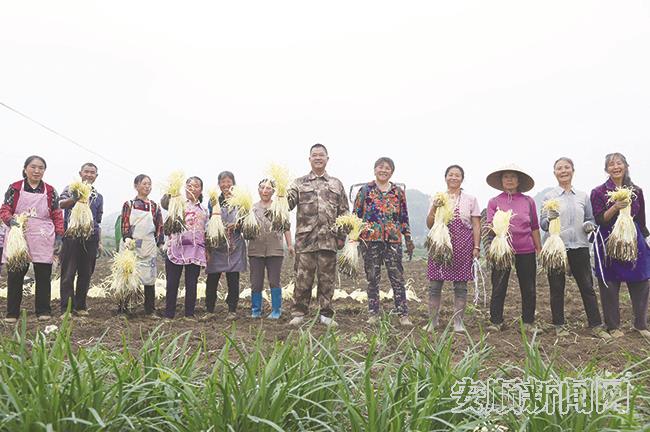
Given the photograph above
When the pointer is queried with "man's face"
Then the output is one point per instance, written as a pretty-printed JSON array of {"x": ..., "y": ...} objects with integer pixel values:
[
  {"x": 318, "y": 159},
  {"x": 88, "y": 174}
]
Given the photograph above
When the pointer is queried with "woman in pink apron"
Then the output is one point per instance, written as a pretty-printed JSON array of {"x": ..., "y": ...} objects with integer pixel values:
[
  {"x": 465, "y": 231},
  {"x": 43, "y": 232},
  {"x": 186, "y": 250},
  {"x": 142, "y": 222}
]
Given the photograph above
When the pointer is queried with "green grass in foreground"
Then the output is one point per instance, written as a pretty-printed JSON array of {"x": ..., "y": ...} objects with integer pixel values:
[{"x": 307, "y": 384}]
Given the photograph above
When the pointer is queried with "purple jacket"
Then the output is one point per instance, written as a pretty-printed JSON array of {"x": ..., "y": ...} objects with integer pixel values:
[{"x": 613, "y": 270}]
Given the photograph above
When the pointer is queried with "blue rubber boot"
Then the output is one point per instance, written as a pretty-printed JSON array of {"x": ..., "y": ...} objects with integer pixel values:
[
  {"x": 256, "y": 305},
  {"x": 276, "y": 303}
]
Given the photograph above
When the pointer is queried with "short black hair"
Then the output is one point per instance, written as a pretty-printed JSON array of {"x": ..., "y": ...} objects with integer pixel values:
[
  {"x": 385, "y": 160},
  {"x": 458, "y": 167},
  {"x": 89, "y": 164},
  {"x": 138, "y": 179},
  {"x": 318, "y": 145},
  {"x": 226, "y": 174}
]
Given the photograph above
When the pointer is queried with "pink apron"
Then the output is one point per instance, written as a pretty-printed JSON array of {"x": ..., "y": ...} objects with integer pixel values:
[
  {"x": 39, "y": 231},
  {"x": 462, "y": 241}
]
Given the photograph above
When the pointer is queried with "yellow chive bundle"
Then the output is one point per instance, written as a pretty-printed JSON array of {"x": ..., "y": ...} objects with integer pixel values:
[
  {"x": 622, "y": 241},
  {"x": 80, "y": 224},
  {"x": 175, "y": 222},
  {"x": 18, "y": 257},
  {"x": 553, "y": 256},
  {"x": 438, "y": 241},
  {"x": 125, "y": 282},
  {"x": 278, "y": 213},
  {"x": 215, "y": 232},
  {"x": 350, "y": 258},
  {"x": 242, "y": 200},
  {"x": 501, "y": 255}
]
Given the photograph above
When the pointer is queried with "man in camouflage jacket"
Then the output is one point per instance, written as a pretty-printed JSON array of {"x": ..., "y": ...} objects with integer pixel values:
[{"x": 319, "y": 199}]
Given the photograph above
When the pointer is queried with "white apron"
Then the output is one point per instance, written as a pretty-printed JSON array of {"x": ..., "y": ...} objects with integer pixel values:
[{"x": 144, "y": 235}]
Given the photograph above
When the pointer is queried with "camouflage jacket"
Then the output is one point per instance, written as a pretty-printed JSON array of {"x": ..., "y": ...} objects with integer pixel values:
[{"x": 319, "y": 201}]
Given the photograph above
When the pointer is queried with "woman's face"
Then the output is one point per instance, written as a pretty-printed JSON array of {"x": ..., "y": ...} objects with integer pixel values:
[
  {"x": 510, "y": 181},
  {"x": 266, "y": 191},
  {"x": 193, "y": 189},
  {"x": 616, "y": 168},
  {"x": 225, "y": 184},
  {"x": 35, "y": 170},
  {"x": 383, "y": 172},
  {"x": 563, "y": 172},
  {"x": 144, "y": 187},
  {"x": 454, "y": 178}
]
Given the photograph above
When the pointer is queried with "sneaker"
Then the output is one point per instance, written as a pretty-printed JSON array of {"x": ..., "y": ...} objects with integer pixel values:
[
  {"x": 561, "y": 331},
  {"x": 600, "y": 332},
  {"x": 495, "y": 327},
  {"x": 82, "y": 313},
  {"x": 207, "y": 317},
  {"x": 153, "y": 316},
  {"x": 373, "y": 319},
  {"x": 190, "y": 318},
  {"x": 297, "y": 320},
  {"x": 10, "y": 320},
  {"x": 532, "y": 328},
  {"x": 328, "y": 321},
  {"x": 404, "y": 321},
  {"x": 44, "y": 317},
  {"x": 645, "y": 332},
  {"x": 616, "y": 333},
  {"x": 231, "y": 316}
]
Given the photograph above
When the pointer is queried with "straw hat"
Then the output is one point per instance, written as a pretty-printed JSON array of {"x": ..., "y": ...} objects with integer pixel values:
[{"x": 526, "y": 182}]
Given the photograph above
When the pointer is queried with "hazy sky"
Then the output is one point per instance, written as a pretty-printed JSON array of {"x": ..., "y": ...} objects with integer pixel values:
[{"x": 209, "y": 86}]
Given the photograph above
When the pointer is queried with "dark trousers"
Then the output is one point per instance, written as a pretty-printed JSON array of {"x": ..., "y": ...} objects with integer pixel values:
[
  {"x": 149, "y": 299},
  {"x": 273, "y": 267},
  {"x": 43, "y": 276},
  {"x": 580, "y": 265},
  {"x": 173, "y": 273},
  {"x": 638, "y": 295},
  {"x": 526, "y": 268},
  {"x": 211, "y": 284},
  {"x": 78, "y": 258},
  {"x": 390, "y": 254}
]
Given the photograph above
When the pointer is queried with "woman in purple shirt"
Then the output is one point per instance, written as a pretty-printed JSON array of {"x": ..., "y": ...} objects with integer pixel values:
[
  {"x": 611, "y": 272},
  {"x": 525, "y": 240}
]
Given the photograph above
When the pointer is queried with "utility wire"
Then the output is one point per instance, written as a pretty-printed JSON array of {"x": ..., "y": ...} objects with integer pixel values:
[{"x": 66, "y": 138}]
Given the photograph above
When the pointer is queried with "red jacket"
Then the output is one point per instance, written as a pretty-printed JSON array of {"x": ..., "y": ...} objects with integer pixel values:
[{"x": 7, "y": 210}]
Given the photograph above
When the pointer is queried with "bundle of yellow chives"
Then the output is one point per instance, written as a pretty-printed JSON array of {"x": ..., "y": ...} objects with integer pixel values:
[
  {"x": 215, "y": 232},
  {"x": 350, "y": 258},
  {"x": 501, "y": 255},
  {"x": 80, "y": 224},
  {"x": 125, "y": 282},
  {"x": 438, "y": 241},
  {"x": 242, "y": 200},
  {"x": 278, "y": 213},
  {"x": 622, "y": 241},
  {"x": 553, "y": 256},
  {"x": 16, "y": 245},
  {"x": 175, "y": 222}
]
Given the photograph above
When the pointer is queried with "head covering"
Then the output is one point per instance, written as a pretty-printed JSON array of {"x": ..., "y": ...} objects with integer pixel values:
[{"x": 526, "y": 182}]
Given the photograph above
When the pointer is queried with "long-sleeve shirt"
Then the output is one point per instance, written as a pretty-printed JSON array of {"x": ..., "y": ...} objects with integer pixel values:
[
  {"x": 386, "y": 213},
  {"x": 319, "y": 200},
  {"x": 13, "y": 195},
  {"x": 96, "y": 203},
  {"x": 523, "y": 222},
  {"x": 138, "y": 204},
  {"x": 575, "y": 211}
]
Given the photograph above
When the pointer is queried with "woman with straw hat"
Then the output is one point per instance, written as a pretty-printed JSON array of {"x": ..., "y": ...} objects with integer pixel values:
[{"x": 524, "y": 239}]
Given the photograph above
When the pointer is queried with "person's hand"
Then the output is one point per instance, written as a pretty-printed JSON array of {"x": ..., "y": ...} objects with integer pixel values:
[
  {"x": 552, "y": 214},
  {"x": 129, "y": 243},
  {"x": 58, "y": 245},
  {"x": 476, "y": 253},
  {"x": 588, "y": 227},
  {"x": 620, "y": 205},
  {"x": 100, "y": 250},
  {"x": 74, "y": 196},
  {"x": 291, "y": 251},
  {"x": 340, "y": 243},
  {"x": 437, "y": 203},
  {"x": 410, "y": 247},
  {"x": 13, "y": 222}
]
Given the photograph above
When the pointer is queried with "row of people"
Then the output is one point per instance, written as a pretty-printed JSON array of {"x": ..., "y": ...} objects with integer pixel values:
[{"x": 320, "y": 198}]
